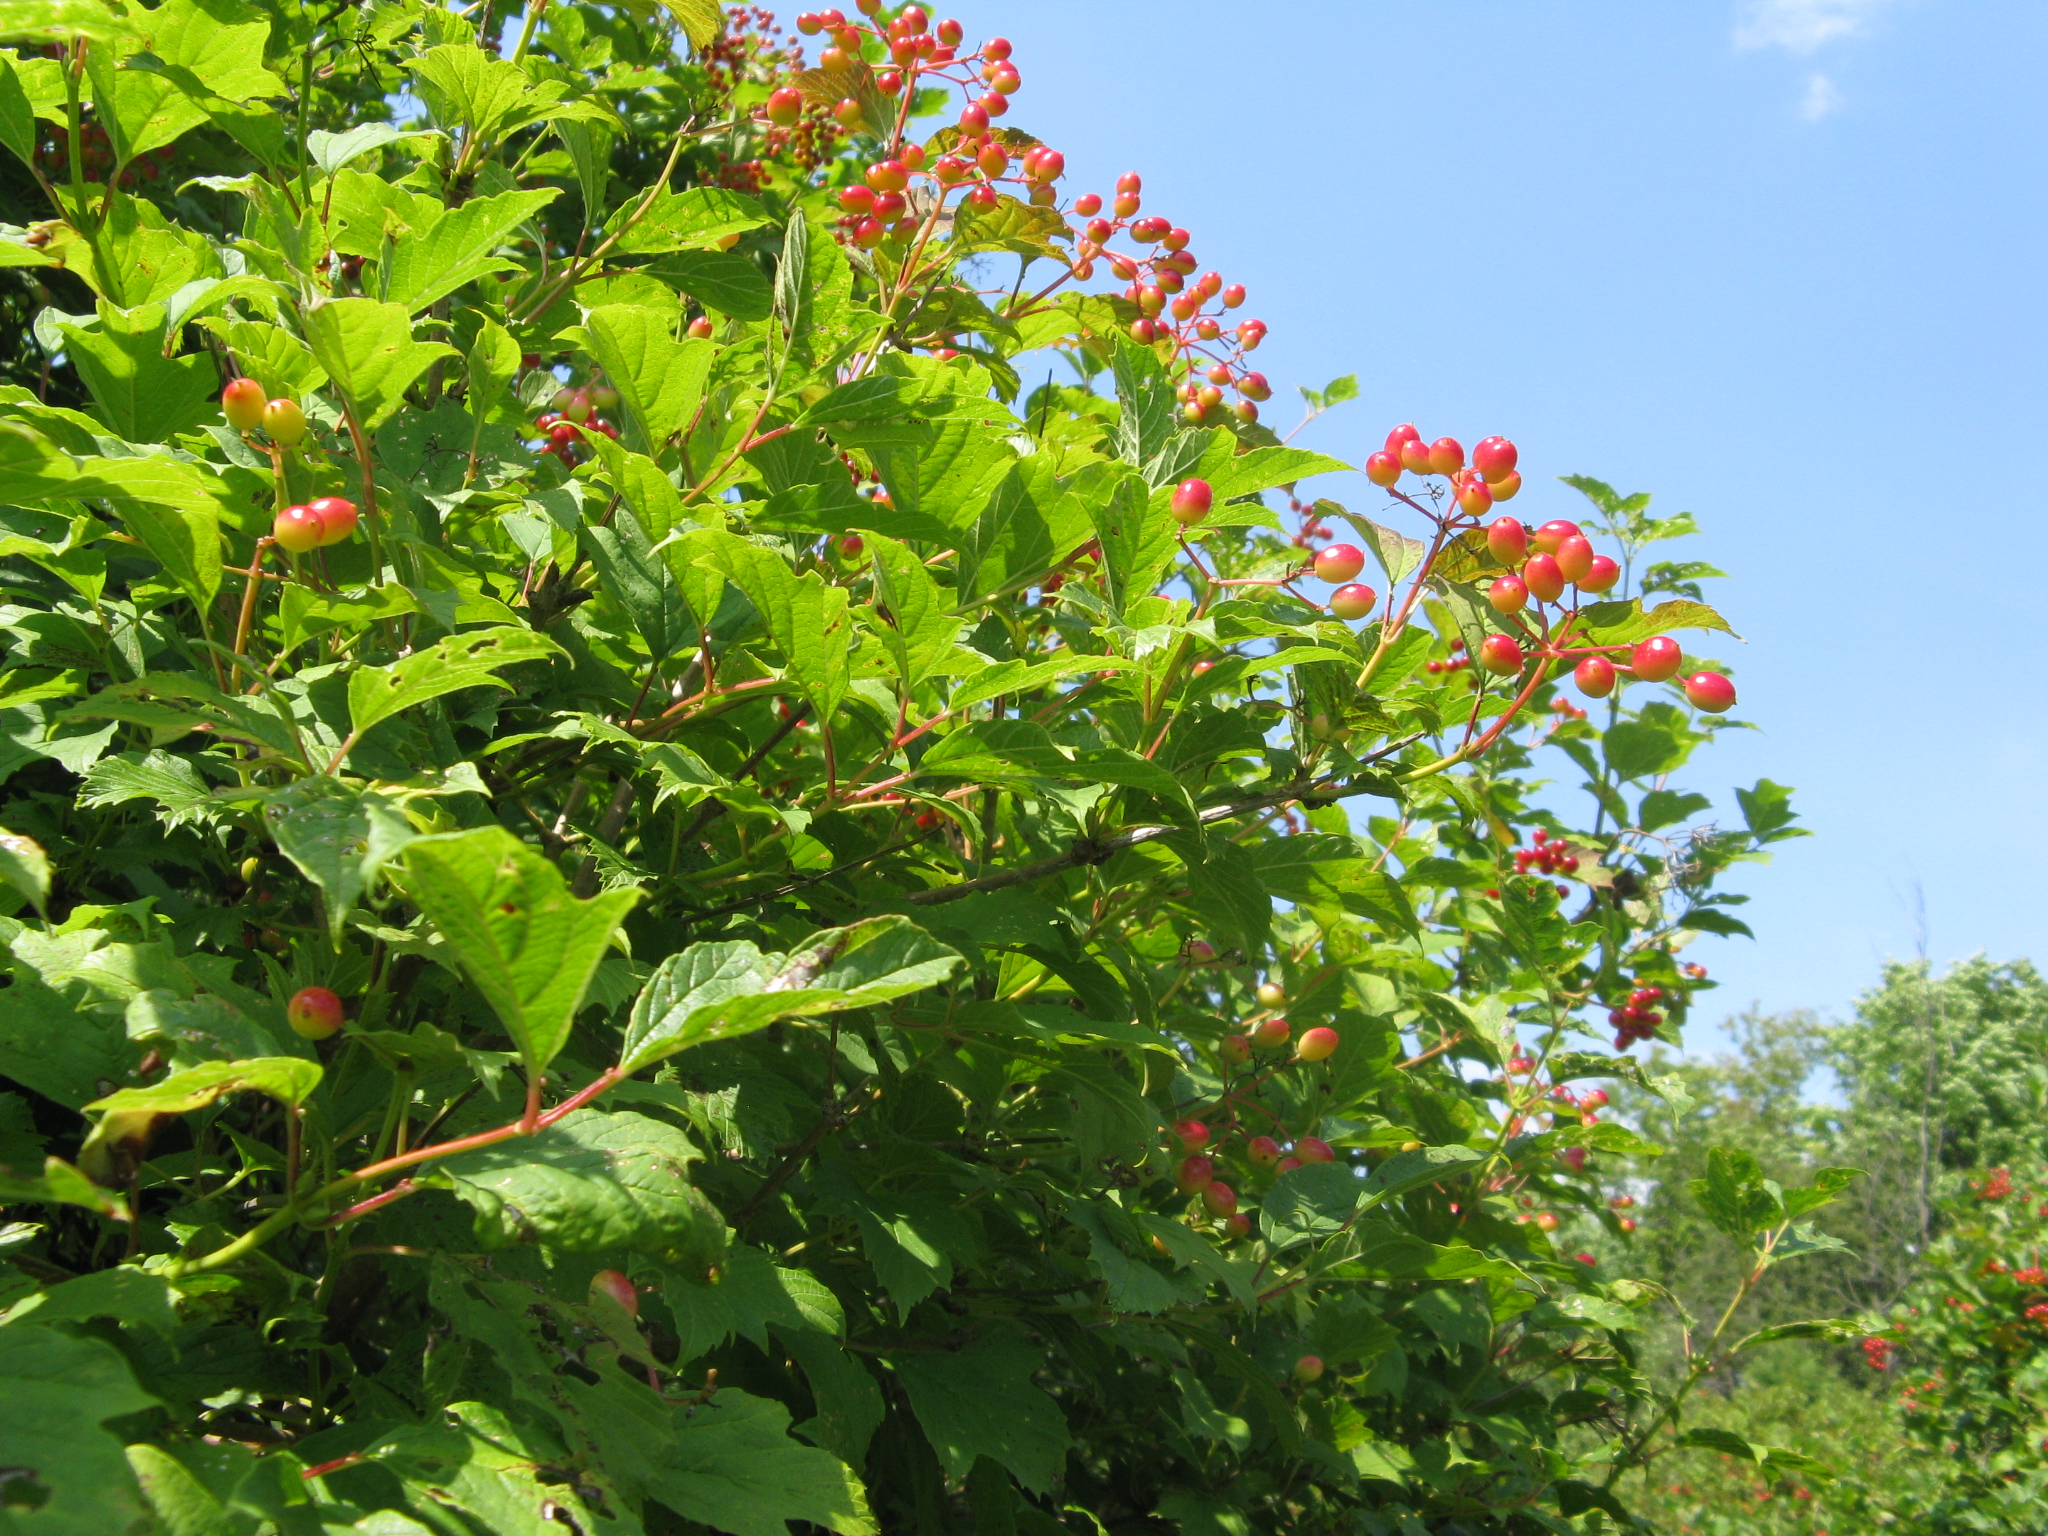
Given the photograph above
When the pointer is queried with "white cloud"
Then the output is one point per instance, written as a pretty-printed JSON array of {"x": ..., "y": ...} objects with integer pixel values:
[
  {"x": 1822, "y": 97},
  {"x": 1801, "y": 26}
]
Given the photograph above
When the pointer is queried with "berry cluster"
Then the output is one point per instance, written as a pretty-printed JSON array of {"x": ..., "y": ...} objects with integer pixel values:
[
  {"x": 1551, "y": 857},
  {"x": 1450, "y": 666},
  {"x": 95, "y": 155},
  {"x": 562, "y": 429},
  {"x": 1636, "y": 1019},
  {"x": 1196, "y": 1172},
  {"x": 1542, "y": 564},
  {"x": 243, "y": 405},
  {"x": 315, "y": 524},
  {"x": 902, "y": 196}
]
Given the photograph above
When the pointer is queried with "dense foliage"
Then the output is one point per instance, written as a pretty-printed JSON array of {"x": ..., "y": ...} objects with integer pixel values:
[{"x": 646, "y": 899}]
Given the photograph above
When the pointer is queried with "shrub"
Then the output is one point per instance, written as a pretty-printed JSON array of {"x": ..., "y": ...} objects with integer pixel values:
[{"x": 645, "y": 899}]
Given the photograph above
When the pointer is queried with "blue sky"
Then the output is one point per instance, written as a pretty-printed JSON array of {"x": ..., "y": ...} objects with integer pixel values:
[{"x": 1777, "y": 262}]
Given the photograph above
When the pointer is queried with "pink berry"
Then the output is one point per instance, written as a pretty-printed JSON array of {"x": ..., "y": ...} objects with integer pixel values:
[
  {"x": 609, "y": 1282},
  {"x": 1191, "y": 501},
  {"x": 1313, "y": 1149},
  {"x": 1595, "y": 677},
  {"x": 1354, "y": 601},
  {"x": 1493, "y": 457},
  {"x": 1508, "y": 594},
  {"x": 1507, "y": 541},
  {"x": 1657, "y": 658},
  {"x": 1711, "y": 692},
  {"x": 1500, "y": 655},
  {"x": 1339, "y": 563},
  {"x": 1318, "y": 1044}
]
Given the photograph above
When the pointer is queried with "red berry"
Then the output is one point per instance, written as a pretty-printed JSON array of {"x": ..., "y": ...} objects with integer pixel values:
[
  {"x": 297, "y": 529},
  {"x": 1415, "y": 457},
  {"x": 1552, "y": 534},
  {"x": 1509, "y": 594},
  {"x": 785, "y": 106},
  {"x": 609, "y": 1282},
  {"x": 1506, "y": 486},
  {"x": 1288, "y": 1165},
  {"x": 1239, "y": 1225},
  {"x": 1235, "y": 1050},
  {"x": 1308, "y": 1368},
  {"x": 1317, "y": 1044},
  {"x": 851, "y": 544},
  {"x": 1354, "y": 601},
  {"x": 1575, "y": 558},
  {"x": 1087, "y": 205},
  {"x": 1474, "y": 499},
  {"x": 1446, "y": 456},
  {"x": 242, "y": 403},
  {"x": 1500, "y": 655},
  {"x": 998, "y": 48},
  {"x": 1710, "y": 691},
  {"x": 1383, "y": 468},
  {"x": 1219, "y": 1199},
  {"x": 1234, "y": 296},
  {"x": 1600, "y": 576},
  {"x": 1268, "y": 1034},
  {"x": 1271, "y": 994},
  {"x": 337, "y": 519},
  {"x": 1194, "y": 1173},
  {"x": 1401, "y": 437},
  {"x": 1193, "y": 1134},
  {"x": 1657, "y": 658},
  {"x": 1191, "y": 501},
  {"x": 1507, "y": 541},
  {"x": 1263, "y": 1150},
  {"x": 973, "y": 118},
  {"x": 1494, "y": 457},
  {"x": 1595, "y": 677},
  {"x": 1545, "y": 580},
  {"x": 1340, "y": 562},
  {"x": 701, "y": 326},
  {"x": 313, "y": 1013},
  {"x": 1313, "y": 1149}
]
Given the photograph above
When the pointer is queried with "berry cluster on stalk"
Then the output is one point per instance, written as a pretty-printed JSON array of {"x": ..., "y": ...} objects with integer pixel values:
[{"x": 909, "y": 192}]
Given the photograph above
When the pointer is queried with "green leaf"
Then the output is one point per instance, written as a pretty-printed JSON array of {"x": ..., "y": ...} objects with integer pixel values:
[
  {"x": 731, "y": 1465},
  {"x": 916, "y": 627},
  {"x": 981, "y": 1401},
  {"x": 719, "y": 990},
  {"x": 331, "y": 151},
  {"x": 458, "y": 248},
  {"x": 1827, "y": 1183},
  {"x": 124, "y": 1293},
  {"x": 369, "y": 353},
  {"x": 807, "y": 618},
  {"x": 702, "y": 21},
  {"x": 66, "y": 1473},
  {"x": 18, "y": 129},
  {"x": 60, "y": 1184},
  {"x": 591, "y": 1181},
  {"x": 467, "y": 660},
  {"x": 1145, "y": 403},
  {"x": 642, "y": 585},
  {"x": 491, "y": 97},
  {"x": 1637, "y": 749},
  {"x": 288, "y": 1079},
  {"x": 508, "y": 918},
  {"x": 1137, "y": 533},
  {"x": 1735, "y": 1195},
  {"x": 25, "y": 866},
  {"x": 1405, "y": 1171},
  {"x": 1312, "y": 1201},
  {"x": 1242, "y": 474},
  {"x": 338, "y": 837},
  {"x": 660, "y": 380},
  {"x": 1833, "y": 1329},
  {"x": 141, "y": 394},
  {"x": 697, "y": 219}
]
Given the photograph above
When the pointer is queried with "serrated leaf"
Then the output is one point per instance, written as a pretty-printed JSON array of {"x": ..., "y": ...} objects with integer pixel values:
[
  {"x": 589, "y": 1182},
  {"x": 660, "y": 380},
  {"x": 1405, "y": 1171},
  {"x": 983, "y": 1402},
  {"x": 66, "y": 1473},
  {"x": 338, "y": 837},
  {"x": 288, "y": 1079},
  {"x": 467, "y": 660},
  {"x": 524, "y": 941},
  {"x": 807, "y": 618},
  {"x": 1312, "y": 1201},
  {"x": 916, "y": 626},
  {"x": 719, "y": 990},
  {"x": 370, "y": 354},
  {"x": 459, "y": 247}
]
